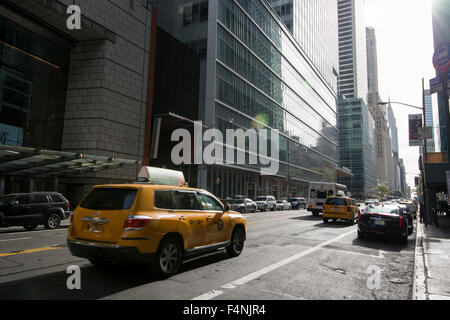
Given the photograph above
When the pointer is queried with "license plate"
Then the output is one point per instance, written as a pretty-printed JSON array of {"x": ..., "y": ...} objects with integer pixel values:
[
  {"x": 379, "y": 222},
  {"x": 95, "y": 227}
]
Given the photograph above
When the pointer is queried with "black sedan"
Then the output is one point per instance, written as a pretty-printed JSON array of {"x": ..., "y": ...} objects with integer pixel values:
[{"x": 386, "y": 220}]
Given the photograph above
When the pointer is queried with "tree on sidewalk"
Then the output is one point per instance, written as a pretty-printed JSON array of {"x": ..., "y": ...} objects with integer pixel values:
[{"x": 382, "y": 191}]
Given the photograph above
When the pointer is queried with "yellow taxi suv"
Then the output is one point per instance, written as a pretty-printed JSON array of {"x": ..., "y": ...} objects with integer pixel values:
[
  {"x": 156, "y": 220},
  {"x": 340, "y": 208}
]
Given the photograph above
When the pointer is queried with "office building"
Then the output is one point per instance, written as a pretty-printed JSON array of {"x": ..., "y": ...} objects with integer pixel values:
[
  {"x": 356, "y": 125},
  {"x": 352, "y": 50},
  {"x": 72, "y": 102},
  {"x": 356, "y": 148},
  {"x": 254, "y": 72},
  {"x": 382, "y": 135}
]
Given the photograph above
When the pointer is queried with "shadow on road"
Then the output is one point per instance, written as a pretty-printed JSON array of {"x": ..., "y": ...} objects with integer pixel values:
[
  {"x": 384, "y": 243},
  {"x": 334, "y": 225},
  {"x": 96, "y": 282},
  {"x": 307, "y": 218}
]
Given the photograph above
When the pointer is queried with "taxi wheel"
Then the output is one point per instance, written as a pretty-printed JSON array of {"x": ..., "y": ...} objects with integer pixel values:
[
  {"x": 53, "y": 221},
  {"x": 325, "y": 220},
  {"x": 30, "y": 227},
  {"x": 237, "y": 243},
  {"x": 168, "y": 258}
]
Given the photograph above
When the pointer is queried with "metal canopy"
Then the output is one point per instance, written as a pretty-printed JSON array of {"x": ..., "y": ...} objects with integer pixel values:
[{"x": 40, "y": 163}]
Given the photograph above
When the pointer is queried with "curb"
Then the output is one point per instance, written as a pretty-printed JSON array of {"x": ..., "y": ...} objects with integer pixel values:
[{"x": 419, "y": 279}]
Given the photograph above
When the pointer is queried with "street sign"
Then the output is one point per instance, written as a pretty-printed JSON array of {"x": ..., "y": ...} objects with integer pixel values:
[
  {"x": 436, "y": 83},
  {"x": 415, "y": 122},
  {"x": 441, "y": 58},
  {"x": 425, "y": 133}
]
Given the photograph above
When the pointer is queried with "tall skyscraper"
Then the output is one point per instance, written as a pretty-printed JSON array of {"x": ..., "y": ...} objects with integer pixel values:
[
  {"x": 352, "y": 50},
  {"x": 254, "y": 70},
  {"x": 356, "y": 124},
  {"x": 316, "y": 36},
  {"x": 394, "y": 129},
  {"x": 356, "y": 145},
  {"x": 394, "y": 139},
  {"x": 382, "y": 136}
]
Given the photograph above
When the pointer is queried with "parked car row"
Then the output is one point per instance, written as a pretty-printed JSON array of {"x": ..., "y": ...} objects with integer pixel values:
[
  {"x": 266, "y": 203},
  {"x": 389, "y": 219}
]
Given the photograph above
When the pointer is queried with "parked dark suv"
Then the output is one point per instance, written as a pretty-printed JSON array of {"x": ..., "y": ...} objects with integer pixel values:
[{"x": 32, "y": 209}]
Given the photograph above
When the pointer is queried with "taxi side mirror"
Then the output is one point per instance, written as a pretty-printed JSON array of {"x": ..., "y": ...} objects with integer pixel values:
[{"x": 227, "y": 208}]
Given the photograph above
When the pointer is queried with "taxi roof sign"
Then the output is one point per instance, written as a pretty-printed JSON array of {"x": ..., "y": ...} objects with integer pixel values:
[{"x": 161, "y": 176}]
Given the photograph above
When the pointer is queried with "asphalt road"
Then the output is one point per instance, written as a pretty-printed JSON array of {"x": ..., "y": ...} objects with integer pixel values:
[{"x": 288, "y": 255}]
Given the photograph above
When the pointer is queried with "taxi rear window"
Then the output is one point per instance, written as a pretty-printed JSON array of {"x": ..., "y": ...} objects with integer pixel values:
[
  {"x": 110, "y": 199},
  {"x": 336, "y": 202}
]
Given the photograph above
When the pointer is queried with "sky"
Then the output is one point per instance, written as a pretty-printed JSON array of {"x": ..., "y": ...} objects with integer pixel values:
[{"x": 405, "y": 51}]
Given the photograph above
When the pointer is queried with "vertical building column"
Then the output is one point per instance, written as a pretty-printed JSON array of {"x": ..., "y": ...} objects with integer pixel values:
[
  {"x": 31, "y": 185},
  {"x": 2, "y": 185},
  {"x": 56, "y": 182}
]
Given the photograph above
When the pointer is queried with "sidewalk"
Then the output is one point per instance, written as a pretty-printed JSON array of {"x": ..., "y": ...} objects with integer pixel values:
[{"x": 432, "y": 261}]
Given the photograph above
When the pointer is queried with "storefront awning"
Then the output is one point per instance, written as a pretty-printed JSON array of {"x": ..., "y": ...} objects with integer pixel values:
[{"x": 40, "y": 163}]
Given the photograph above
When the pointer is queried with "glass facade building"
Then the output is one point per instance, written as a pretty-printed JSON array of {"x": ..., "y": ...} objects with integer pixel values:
[
  {"x": 256, "y": 74},
  {"x": 33, "y": 85},
  {"x": 352, "y": 50},
  {"x": 357, "y": 152}
]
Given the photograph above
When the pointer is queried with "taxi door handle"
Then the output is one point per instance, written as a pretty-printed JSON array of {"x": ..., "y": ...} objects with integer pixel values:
[
  {"x": 209, "y": 218},
  {"x": 183, "y": 218}
]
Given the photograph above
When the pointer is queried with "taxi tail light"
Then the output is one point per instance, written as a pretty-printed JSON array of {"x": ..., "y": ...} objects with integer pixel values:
[
  {"x": 401, "y": 221},
  {"x": 134, "y": 223},
  {"x": 349, "y": 209}
]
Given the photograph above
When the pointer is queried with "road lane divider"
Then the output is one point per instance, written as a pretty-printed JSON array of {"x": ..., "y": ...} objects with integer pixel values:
[
  {"x": 252, "y": 276},
  {"x": 17, "y": 239},
  {"x": 30, "y": 251}
]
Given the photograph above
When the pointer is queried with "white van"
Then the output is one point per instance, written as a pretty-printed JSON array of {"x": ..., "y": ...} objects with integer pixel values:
[{"x": 318, "y": 193}]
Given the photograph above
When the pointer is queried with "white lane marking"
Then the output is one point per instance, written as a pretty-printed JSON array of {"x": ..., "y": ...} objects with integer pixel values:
[
  {"x": 209, "y": 295},
  {"x": 379, "y": 256},
  {"x": 252, "y": 276},
  {"x": 15, "y": 239}
]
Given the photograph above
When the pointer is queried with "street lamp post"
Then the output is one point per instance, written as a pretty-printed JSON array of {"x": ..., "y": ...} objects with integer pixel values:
[{"x": 424, "y": 149}]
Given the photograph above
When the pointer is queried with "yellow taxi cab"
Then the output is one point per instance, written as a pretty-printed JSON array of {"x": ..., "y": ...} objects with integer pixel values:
[
  {"x": 342, "y": 208},
  {"x": 156, "y": 220}
]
